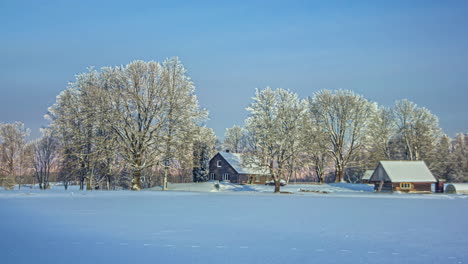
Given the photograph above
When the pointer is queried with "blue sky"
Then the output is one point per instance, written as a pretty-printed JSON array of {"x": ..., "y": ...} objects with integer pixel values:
[{"x": 384, "y": 50}]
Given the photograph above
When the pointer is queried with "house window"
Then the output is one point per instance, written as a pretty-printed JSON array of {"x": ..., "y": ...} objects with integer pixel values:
[
  {"x": 225, "y": 176},
  {"x": 257, "y": 178},
  {"x": 212, "y": 176},
  {"x": 218, "y": 163},
  {"x": 405, "y": 185}
]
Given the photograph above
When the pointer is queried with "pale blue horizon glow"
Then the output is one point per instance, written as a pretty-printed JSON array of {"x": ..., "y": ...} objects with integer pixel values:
[{"x": 384, "y": 50}]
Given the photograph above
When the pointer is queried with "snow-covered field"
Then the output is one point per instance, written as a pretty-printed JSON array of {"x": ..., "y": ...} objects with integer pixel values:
[
  {"x": 294, "y": 188},
  {"x": 228, "y": 225}
]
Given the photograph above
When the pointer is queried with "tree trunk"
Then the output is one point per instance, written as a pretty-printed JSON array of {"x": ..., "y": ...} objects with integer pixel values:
[
  {"x": 81, "y": 183},
  {"x": 277, "y": 185},
  {"x": 166, "y": 171},
  {"x": 136, "y": 181},
  {"x": 108, "y": 182},
  {"x": 39, "y": 180},
  {"x": 339, "y": 173}
]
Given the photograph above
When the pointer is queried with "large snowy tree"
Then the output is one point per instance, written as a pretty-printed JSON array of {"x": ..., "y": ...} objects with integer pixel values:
[
  {"x": 344, "y": 117},
  {"x": 273, "y": 127},
  {"x": 182, "y": 114},
  {"x": 418, "y": 128},
  {"x": 143, "y": 113}
]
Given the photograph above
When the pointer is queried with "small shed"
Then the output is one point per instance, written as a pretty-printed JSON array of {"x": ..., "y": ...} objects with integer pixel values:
[
  {"x": 456, "y": 188},
  {"x": 228, "y": 166},
  {"x": 366, "y": 176},
  {"x": 403, "y": 176}
]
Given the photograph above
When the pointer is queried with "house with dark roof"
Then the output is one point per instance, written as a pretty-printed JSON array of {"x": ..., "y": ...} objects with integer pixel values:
[
  {"x": 366, "y": 176},
  {"x": 228, "y": 166},
  {"x": 403, "y": 176}
]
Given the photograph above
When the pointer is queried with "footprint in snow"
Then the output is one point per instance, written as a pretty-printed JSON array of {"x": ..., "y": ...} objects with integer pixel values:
[
  {"x": 243, "y": 247},
  {"x": 395, "y": 253},
  {"x": 345, "y": 250},
  {"x": 195, "y": 246}
]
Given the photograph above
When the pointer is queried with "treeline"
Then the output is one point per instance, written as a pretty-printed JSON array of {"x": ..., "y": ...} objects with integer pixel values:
[
  {"x": 140, "y": 125},
  {"x": 343, "y": 131},
  {"x": 133, "y": 126}
]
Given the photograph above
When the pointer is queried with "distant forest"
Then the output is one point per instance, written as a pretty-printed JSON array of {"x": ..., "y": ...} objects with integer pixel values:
[{"x": 140, "y": 125}]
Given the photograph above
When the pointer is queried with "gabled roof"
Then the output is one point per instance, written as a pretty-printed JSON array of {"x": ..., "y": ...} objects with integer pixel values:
[
  {"x": 235, "y": 160},
  {"x": 367, "y": 174},
  {"x": 406, "y": 171}
]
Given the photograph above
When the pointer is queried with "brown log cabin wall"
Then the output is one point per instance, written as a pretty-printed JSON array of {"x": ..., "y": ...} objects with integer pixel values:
[
  {"x": 416, "y": 187},
  {"x": 395, "y": 186}
]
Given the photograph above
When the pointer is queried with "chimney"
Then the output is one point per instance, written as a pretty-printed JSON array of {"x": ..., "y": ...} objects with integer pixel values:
[{"x": 227, "y": 150}]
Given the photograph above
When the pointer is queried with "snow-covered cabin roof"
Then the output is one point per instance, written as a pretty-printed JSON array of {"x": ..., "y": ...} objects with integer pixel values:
[
  {"x": 367, "y": 174},
  {"x": 404, "y": 171},
  {"x": 235, "y": 160}
]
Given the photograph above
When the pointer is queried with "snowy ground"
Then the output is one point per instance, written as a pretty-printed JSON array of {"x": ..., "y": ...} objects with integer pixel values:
[
  {"x": 294, "y": 188},
  {"x": 347, "y": 225}
]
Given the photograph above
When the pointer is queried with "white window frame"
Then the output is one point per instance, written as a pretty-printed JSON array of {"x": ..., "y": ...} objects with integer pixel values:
[
  {"x": 218, "y": 163},
  {"x": 225, "y": 176},
  {"x": 406, "y": 186}
]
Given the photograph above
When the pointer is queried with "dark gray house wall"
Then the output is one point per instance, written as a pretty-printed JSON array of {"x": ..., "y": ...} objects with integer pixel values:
[{"x": 219, "y": 167}]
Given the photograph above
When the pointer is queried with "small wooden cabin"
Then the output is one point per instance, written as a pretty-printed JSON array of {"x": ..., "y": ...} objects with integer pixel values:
[
  {"x": 228, "y": 166},
  {"x": 366, "y": 176},
  {"x": 403, "y": 176}
]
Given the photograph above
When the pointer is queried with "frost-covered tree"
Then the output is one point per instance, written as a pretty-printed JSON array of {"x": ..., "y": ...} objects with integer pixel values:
[
  {"x": 316, "y": 146},
  {"x": 273, "y": 127},
  {"x": 441, "y": 163},
  {"x": 12, "y": 144},
  {"x": 382, "y": 129},
  {"x": 235, "y": 139},
  {"x": 141, "y": 115},
  {"x": 204, "y": 149},
  {"x": 418, "y": 128},
  {"x": 459, "y": 159},
  {"x": 182, "y": 114},
  {"x": 139, "y": 112},
  {"x": 73, "y": 118},
  {"x": 344, "y": 117}
]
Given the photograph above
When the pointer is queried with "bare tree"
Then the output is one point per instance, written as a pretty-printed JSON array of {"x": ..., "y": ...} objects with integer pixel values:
[{"x": 45, "y": 153}]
